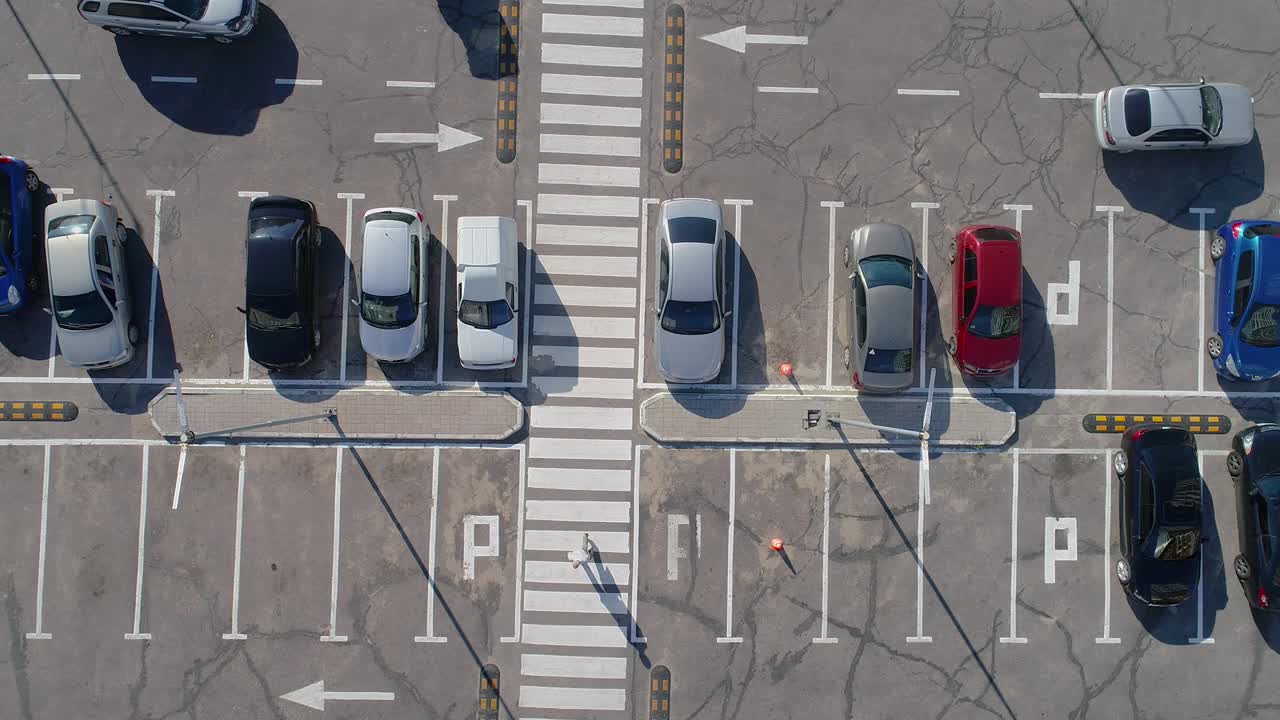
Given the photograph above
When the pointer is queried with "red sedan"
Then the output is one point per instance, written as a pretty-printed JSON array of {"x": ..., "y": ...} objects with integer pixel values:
[{"x": 987, "y": 282}]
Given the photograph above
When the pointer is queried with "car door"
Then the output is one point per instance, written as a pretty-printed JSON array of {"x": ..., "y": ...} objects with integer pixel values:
[
  {"x": 1242, "y": 287},
  {"x": 104, "y": 270},
  {"x": 859, "y": 320},
  {"x": 967, "y": 298},
  {"x": 1125, "y": 514},
  {"x": 120, "y": 266},
  {"x": 1261, "y": 545},
  {"x": 663, "y": 279},
  {"x": 418, "y": 277},
  {"x": 146, "y": 17},
  {"x": 1176, "y": 139}
]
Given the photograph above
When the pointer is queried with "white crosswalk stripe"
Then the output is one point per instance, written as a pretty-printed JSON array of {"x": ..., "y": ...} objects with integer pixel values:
[
  {"x": 602, "y": 85},
  {"x": 592, "y": 55},
  {"x": 596, "y": 115},
  {"x": 611, "y": 145},
  {"x": 585, "y": 387},
  {"x": 588, "y": 205},
  {"x": 568, "y": 417},
  {"x": 584, "y": 327},
  {"x": 587, "y": 265},
  {"x": 587, "y": 235},
  {"x": 570, "y": 698},
  {"x": 603, "y": 636},
  {"x": 579, "y": 479},
  {"x": 584, "y": 296},
  {"x": 573, "y": 666},
  {"x": 573, "y": 449},
  {"x": 592, "y": 175},
  {"x": 593, "y": 25},
  {"x": 589, "y": 573},
  {"x": 606, "y": 541},
  {"x": 578, "y": 511}
]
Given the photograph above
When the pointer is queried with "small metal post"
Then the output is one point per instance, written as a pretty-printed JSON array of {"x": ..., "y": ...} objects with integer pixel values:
[{"x": 185, "y": 436}]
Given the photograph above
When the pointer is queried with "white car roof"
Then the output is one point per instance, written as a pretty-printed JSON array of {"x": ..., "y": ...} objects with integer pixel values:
[
  {"x": 480, "y": 239},
  {"x": 384, "y": 263},
  {"x": 70, "y": 265}
]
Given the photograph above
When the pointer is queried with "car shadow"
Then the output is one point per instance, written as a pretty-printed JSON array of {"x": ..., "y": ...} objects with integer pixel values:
[
  {"x": 1182, "y": 625},
  {"x": 234, "y": 82},
  {"x": 1167, "y": 183},
  {"x": 753, "y": 353},
  {"x": 557, "y": 358},
  {"x": 1268, "y": 624},
  {"x": 481, "y": 27}
]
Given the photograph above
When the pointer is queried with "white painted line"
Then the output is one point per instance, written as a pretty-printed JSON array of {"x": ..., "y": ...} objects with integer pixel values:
[
  {"x": 1012, "y": 637},
  {"x": 1067, "y": 96},
  {"x": 53, "y": 76},
  {"x": 562, "y": 572},
  {"x": 634, "y": 631},
  {"x": 831, "y": 282},
  {"x": 567, "y": 356},
  {"x": 588, "y": 205},
  {"x": 578, "y": 511},
  {"x": 633, "y": 4},
  {"x": 584, "y": 296},
  {"x": 61, "y": 193},
  {"x": 916, "y": 91},
  {"x": 431, "y": 636},
  {"x": 1200, "y": 354},
  {"x": 570, "y": 698},
  {"x": 174, "y": 79},
  {"x": 406, "y": 138},
  {"x": 579, "y": 449},
  {"x": 579, "y": 479},
  {"x": 177, "y": 483},
  {"x": 591, "y": 115},
  {"x": 593, "y": 55},
  {"x": 923, "y": 496},
  {"x": 517, "y": 626},
  {"x": 601, "y": 85},
  {"x": 39, "y": 633},
  {"x": 422, "y": 84},
  {"x": 924, "y": 208},
  {"x": 1200, "y": 639},
  {"x": 644, "y": 284},
  {"x": 728, "y": 636},
  {"x": 444, "y": 252},
  {"x": 137, "y": 633},
  {"x": 787, "y": 90},
  {"x": 737, "y": 284},
  {"x": 607, "y": 25},
  {"x": 587, "y": 235},
  {"x": 155, "y": 280},
  {"x": 823, "y": 638},
  {"x": 583, "y": 387},
  {"x": 346, "y": 284},
  {"x": 235, "y": 633},
  {"x": 580, "y": 418},
  {"x": 332, "y": 635},
  {"x": 584, "y": 327},
  {"x": 609, "y": 145},
  {"x": 1111, "y": 211},
  {"x": 603, "y": 636},
  {"x": 298, "y": 81},
  {"x": 590, "y": 175},
  {"x": 587, "y": 265},
  {"x": 573, "y": 666},
  {"x": 251, "y": 194},
  {"x": 53, "y": 345},
  {"x": 607, "y": 541},
  {"x": 527, "y": 307},
  {"x": 1106, "y": 638}
]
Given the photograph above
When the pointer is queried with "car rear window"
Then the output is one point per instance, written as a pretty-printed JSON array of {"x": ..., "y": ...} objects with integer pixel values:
[
  {"x": 996, "y": 321},
  {"x": 1177, "y": 543},
  {"x": 887, "y": 270},
  {"x": 1261, "y": 230},
  {"x": 992, "y": 233},
  {"x": 1137, "y": 111},
  {"x": 193, "y": 9},
  {"x": 1262, "y": 329},
  {"x": 390, "y": 215},
  {"x": 888, "y": 361},
  {"x": 692, "y": 229},
  {"x": 70, "y": 225}
]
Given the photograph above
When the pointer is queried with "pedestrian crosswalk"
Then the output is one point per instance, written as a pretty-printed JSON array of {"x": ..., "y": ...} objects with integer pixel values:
[{"x": 578, "y": 512}]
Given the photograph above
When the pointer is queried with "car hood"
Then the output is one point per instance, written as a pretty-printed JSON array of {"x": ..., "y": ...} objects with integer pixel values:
[
  {"x": 1237, "y": 114},
  {"x": 1260, "y": 363},
  {"x": 989, "y": 354},
  {"x": 393, "y": 344},
  {"x": 689, "y": 358},
  {"x": 91, "y": 347},
  {"x": 279, "y": 348},
  {"x": 221, "y": 11},
  {"x": 487, "y": 347}
]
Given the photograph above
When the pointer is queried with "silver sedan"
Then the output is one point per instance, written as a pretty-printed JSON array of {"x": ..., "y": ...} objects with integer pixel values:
[{"x": 689, "y": 298}]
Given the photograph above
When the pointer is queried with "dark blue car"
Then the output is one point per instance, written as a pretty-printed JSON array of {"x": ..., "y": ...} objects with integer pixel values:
[
  {"x": 1246, "y": 317},
  {"x": 18, "y": 189}
]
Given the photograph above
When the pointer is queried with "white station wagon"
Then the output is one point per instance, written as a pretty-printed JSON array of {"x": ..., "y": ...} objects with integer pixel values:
[{"x": 488, "y": 293}]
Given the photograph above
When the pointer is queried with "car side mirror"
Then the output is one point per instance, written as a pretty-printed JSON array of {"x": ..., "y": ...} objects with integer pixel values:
[
  {"x": 242, "y": 311},
  {"x": 1201, "y": 79},
  {"x": 355, "y": 302},
  {"x": 727, "y": 313}
]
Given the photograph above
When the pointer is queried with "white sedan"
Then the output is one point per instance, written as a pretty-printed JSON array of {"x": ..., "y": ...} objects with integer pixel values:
[{"x": 1182, "y": 116}]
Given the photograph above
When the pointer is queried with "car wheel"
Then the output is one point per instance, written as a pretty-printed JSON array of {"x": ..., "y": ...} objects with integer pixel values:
[
  {"x": 1123, "y": 573},
  {"x": 133, "y": 334},
  {"x": 222, "y": 39},
  {"x": 951, "y": 253},
  {"x": 1241, "y": 566},
  {"x": 846, "y": 256},
  {"x": 951, "y": 346},
  {"x": 1214, "y": 346},
  {"x": 118, "y": 31},
  {"x": 1235, "y": 464},
  {"x": 846, "y": 357},
  {"x": 1217, "y": 248},
  {"x": 123, "y": 231},
  {"x": 1120, "y": 463},
  {"x": 33, "y": 181},
  {"x": 315, "y": 338}
]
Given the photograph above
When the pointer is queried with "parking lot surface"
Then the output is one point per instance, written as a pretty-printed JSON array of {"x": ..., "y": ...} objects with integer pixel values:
[{"x": 576, "y": 566}]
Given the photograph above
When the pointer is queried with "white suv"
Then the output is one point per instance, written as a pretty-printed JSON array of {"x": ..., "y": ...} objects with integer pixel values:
[
  {"x": 222, "y": 20},
  {"x": 488, "y": 293}
]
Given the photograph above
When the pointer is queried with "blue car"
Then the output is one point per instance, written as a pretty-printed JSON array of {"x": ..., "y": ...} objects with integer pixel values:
[
  {"x": 18, "y": 279},
  {"x": 1246, "y": 316}
]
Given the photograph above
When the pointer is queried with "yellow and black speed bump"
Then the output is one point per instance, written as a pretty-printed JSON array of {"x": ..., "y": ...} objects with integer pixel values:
[
  {"x": 673, "y": 93},
  {"x": 37, "y": 411},
  {"x": 488, "y": 693},
  {"x": 660, "y": 693},
  {"x": 508, "y": 78},
  {"x": 1200, "y": 424}
]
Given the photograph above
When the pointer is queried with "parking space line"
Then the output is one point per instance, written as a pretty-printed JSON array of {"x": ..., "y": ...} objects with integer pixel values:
[
  {"x": 137, "y": 634},
  {"x": 346, "y": 282},
  {"x": 530, "y": 236},
  {"x": 1201, "y": 212},
  {"x": 1017, "y": 225},
  {"x": 235, "y": 633},
  {"x": 175, "y": 79},
  {"x": 1067, "y": 96},
  {"x": 249, "y": 195},
  {"x": 733, "y": 508},
  {"x": 1200, "y": 639},
  {"x": 444, "y": 254},
  {"x": 431, "y": 636},
  {"x": 60, "y": 193},
  {"x": 917, "y": 91},
  {"x": 155, "y": 279},
  {"x": 831, "y": 280},
  {"x": 177, "y": 482},
  {"x": 737, "y": 286},
  {"x": 1012, "y": 637},
  {"x": 924, "y": 208},
  {"x": 822, "y": 638},
  {"x": 410, "y": 84},
  {"x": 1111, "y": 211},
  {"x": 516, "y": 628},
  {"x": 634, "y": 631},
  {"x": 53, "y": 76},
  {"x": 332, "y": 635},
  {"x": 39, "y": 633},
  {"x": 1106, "y": 638},
  {"x": 787, "y": 90},
  {"x": 298, "y": 81}
]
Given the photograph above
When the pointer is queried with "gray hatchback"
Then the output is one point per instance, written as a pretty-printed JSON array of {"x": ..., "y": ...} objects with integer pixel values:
[{"x": 883, "y": 313}]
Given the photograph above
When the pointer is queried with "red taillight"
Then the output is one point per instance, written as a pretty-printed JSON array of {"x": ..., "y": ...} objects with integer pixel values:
[
  {"x": 5, "y": 159},
  {"x": 1237, "y": 230},
  {"x": 1138, "y": 434},
  {"x": 1110, "y": 140},
  {"x": 856, "y": 381},
  {"x": 420, "y": 218},
  {"x": 1262, "y": 598}
]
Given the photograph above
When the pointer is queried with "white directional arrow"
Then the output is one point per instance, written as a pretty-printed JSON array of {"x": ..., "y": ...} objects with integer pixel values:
[
  {"x": 738, "y": 38},
  {"x": 446, "y": 139},
  {"x": 314, "y": 695}
]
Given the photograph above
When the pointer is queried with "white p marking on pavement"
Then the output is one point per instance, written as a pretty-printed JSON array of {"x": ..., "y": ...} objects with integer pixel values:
[
  {"x": 470, "y": 550},
  {"x": 1070, "y": 288},
  {"x": 675, "y": 551},
  {"x": 1052, "y": 553}
]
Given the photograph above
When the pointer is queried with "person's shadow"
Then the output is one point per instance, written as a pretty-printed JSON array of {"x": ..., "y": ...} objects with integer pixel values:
[{"x": 606, "y": 585}]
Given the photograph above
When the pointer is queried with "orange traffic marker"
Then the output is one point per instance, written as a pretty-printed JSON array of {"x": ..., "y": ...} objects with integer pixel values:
[
  {"x": 785, "y": 369},
  {"x": 776, "y": 544}
]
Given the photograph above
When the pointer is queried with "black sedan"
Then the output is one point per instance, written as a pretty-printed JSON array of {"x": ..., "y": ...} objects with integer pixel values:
[
  {"x": 281, "y": 282},
  {"x": 1254, "y": 466},
  {"x": 1160, "y": 514}
]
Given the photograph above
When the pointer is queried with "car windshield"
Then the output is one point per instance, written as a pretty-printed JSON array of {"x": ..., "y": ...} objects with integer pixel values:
[
  {"x": 1176, "y": 543},
  {"x": 996, "y": 321},
  {"x": 273, "y": 312},
  {"x": 484, "y": 314},
  {"x": 690, "y": 318},
  {"x": 70, "y": 225},
  {"x": 1211, "y": 101},
  {"x": 1261, "y": 330},
  {"x": 193, "y": 9},
  {"x": 81, "y": 312},
  {"x": 388, "y": 311},
  {"x": 888, "y": 361},
  {"x": 692, "y": 229},
  {"x": 886, "y": 270}
]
